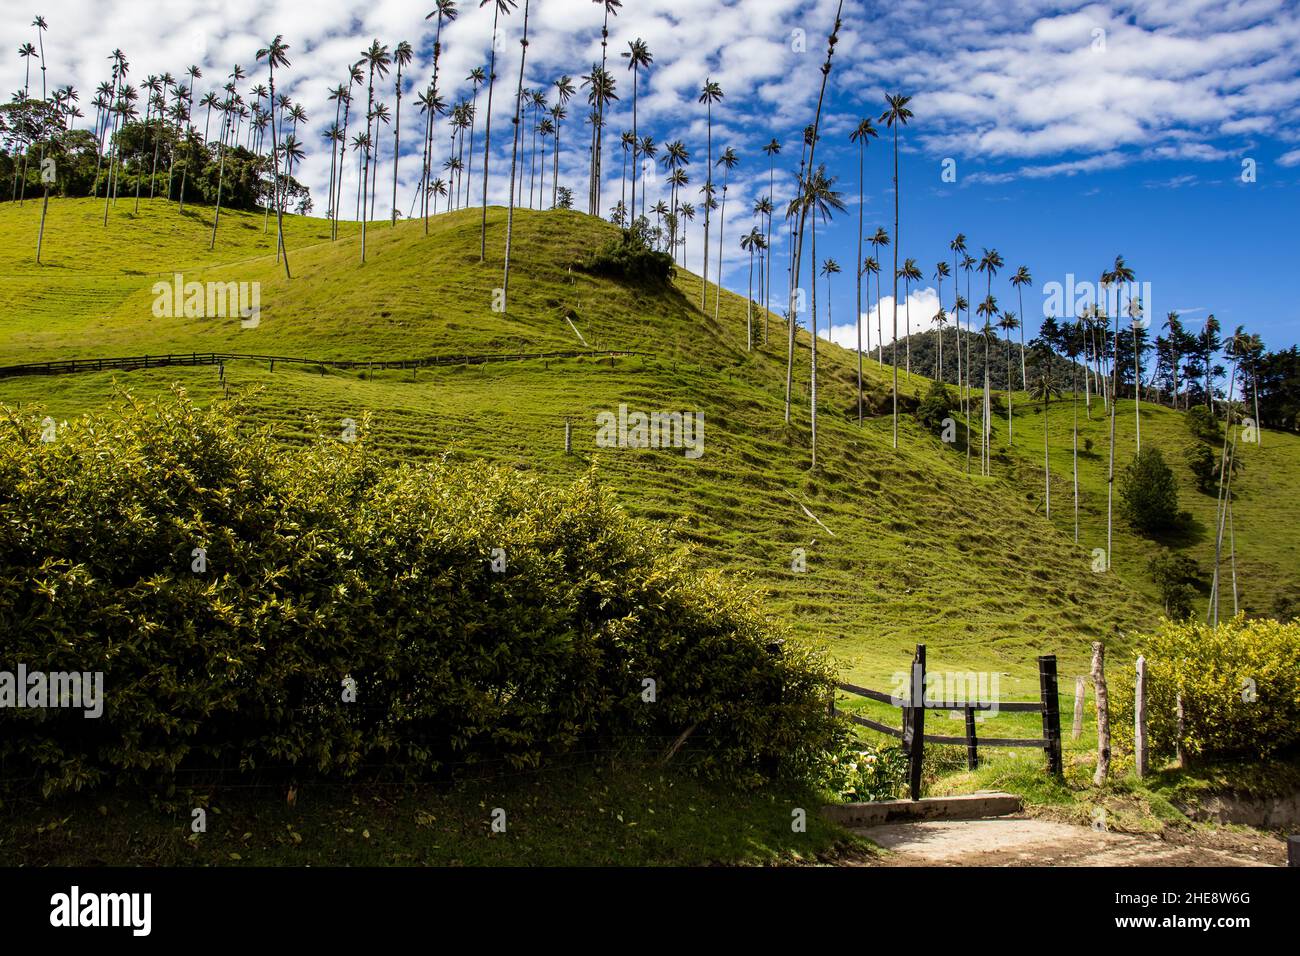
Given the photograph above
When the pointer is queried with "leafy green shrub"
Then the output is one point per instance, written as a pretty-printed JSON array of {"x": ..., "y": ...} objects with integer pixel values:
[
  {"x": 1175, "y": 576},
  {"x": 631, "y": 259},
  {"x": 325, "y": 567},
  {"x": 1240, "y": 686},
  {"x": 1207, "y": 464},
  {"x": 1149, "y": 492},
  {"x": 858, "y": 775},
  {"x": 935, "y": 407},
  {"x": 1202, "y": 424}
]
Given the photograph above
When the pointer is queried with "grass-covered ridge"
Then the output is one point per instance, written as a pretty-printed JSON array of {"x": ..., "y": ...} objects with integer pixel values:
[{"x": 909, "y": 547}]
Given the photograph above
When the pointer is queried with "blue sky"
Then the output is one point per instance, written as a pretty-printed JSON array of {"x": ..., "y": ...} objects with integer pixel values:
[{"x": 1078, "y": 131}]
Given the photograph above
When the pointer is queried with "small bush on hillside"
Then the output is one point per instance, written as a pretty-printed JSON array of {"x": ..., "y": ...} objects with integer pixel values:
[
  {"x": 1202, "y": 423},
  {"x": 1175, "y": 576},
  {"x": 1240, "y": 686},
  {"x": 328, "y": 575},
  {"x": 1206, "y": 464},
  {"x": 631, "y": 259},
  {"x": 1149, "y": 492},
  {"x": 935, "y": 407}
]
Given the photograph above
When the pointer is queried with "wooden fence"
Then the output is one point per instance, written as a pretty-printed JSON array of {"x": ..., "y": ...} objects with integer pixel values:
[
  {"x": 915, "y": 738},
  {"x": 133, "y": 363}
]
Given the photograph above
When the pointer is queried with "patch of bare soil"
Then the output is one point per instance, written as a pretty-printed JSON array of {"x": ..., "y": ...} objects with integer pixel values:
[{"x": 1025, "y": 841}]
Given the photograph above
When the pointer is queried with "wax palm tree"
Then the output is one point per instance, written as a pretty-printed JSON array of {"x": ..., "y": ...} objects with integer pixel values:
[
  {"x": 377, "y": 60},
  {"x": 896, "y": 116},
  {"x": 940, "y": 273},
  {"x": 798, "y": 223},
  {"x": 227, "y": 123},
  {"x": 638, "y": 56},
  {"x": 1043, "y": 389},
  {"x": 274, "y": 53},
  {"x": 610, "y": 7},
  {"x": 444, "y": 12},
  {"x": 1021, "y": 279},
  {"x": 355, "y": 78},
  {"x": 545, "y": 129},
  {"x": 772, "y": 149},
  {"x": 1074, "y": 344},
  {"x": 1177, "y": 338},
  {"x": 763, "y": 209},
  {"x": 194, "y": 74},
  {"x": 871, "y": 267},
  {"x": 727, "y": 161},
  {"x": 880, "y": 238},
  {"x": 911, "y": 273},
  {"x": 940, "y": 323},
  {"x": 438, "y": 188},
  {"x": 564, "y": 90},
  {"x": 402, "y": 56},
  {"x": 382, "y": 117},
  {"x": 676, "y": 158},
  {"x": 821, "y": 200},
  {"x": 863, "y": 132},
  {"x": 988, "y": 310},
  {"x": 711, "y": 93},
  {"x": 626, "y": 142},
  {"x": 687, "y": 212},
  {"x": 476, "y": 78},
  {"x": 514, "y": 162},
  {"x": 41, "y": 26},
  {"x": 1008, "y": 324},
  {"x": 649, "y": 150},
  {"x": 750, "y": 242},
  {"x": 499, "y": 7},
  {"x": 333, "y": 135},
  {"x": 537, "y": 100}
]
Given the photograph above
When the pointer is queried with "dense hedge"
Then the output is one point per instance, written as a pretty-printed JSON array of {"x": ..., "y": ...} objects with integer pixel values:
[
  {"x": 324, "y": 564},
  {"x": 1240, "y": 685}
]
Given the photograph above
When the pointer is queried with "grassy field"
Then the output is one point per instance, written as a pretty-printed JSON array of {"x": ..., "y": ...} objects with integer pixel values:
[
  {"x": 604, "y": 815},
  {"x": 903, "y": 547}
]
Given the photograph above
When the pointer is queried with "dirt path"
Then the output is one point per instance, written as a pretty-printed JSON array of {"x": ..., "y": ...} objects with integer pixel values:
[{"x": 1025, "y": 841}]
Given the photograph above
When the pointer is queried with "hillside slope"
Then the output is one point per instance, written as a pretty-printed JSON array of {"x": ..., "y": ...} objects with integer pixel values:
[{"x": 902, "y": 546}]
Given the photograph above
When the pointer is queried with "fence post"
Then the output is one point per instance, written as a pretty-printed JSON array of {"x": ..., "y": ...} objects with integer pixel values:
[
  {"x": 1140, "y": 718},
  {"x": 972, "y": 747},
  {"x": 916, "y": 724},
  {"x": 1103, "y": 713},
  {"x": 1080, "y": 692},
  {"x": 568, "y": 437},
  {"x": 1051, "y": 712}
]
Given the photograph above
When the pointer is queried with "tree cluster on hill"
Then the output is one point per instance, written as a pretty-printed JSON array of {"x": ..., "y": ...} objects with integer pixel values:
[{"x": 80, "y": 170}]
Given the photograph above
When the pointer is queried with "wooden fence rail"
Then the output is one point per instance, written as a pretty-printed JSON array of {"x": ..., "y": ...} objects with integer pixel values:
[
  {"x": 133, "y": 363},
  {"x": 913, "y": 734}
]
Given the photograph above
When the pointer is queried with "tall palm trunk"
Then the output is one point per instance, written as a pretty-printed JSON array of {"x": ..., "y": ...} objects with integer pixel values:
[
  {"x": 708, "y": 203},
  {"x": 797, "y": 245},
  {"x": 893, "y": 354},
  {"x": 1110, "y": 473},
  {"x": 487, "y": 135},
  {"x": 397, "y": 140},
  {"x": 813, "y": 397},
  {"x": 514, "y": 163},
  {"x": 862, "y": 160},
  {"x": 722, "y": 228},
  {"x": 279, "y": 205}
]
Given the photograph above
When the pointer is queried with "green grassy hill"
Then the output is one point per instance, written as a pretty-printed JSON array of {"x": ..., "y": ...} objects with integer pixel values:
[{"x": 904, "y": 546}]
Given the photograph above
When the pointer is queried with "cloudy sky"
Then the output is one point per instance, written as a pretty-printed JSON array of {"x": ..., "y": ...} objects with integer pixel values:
[{"x": 1167, "y": 131}]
